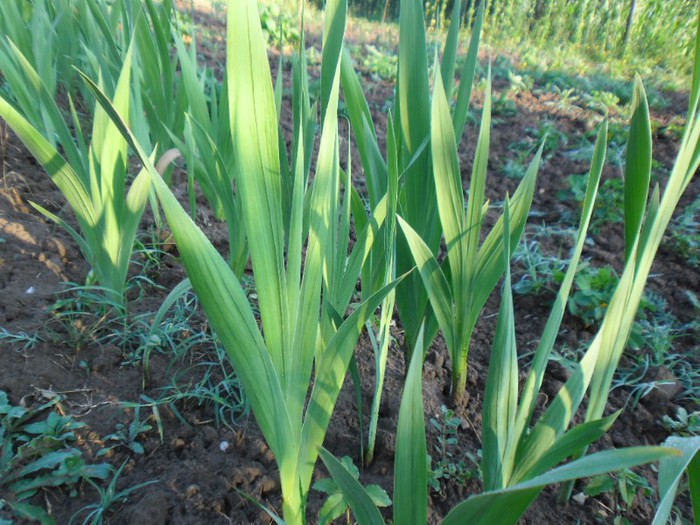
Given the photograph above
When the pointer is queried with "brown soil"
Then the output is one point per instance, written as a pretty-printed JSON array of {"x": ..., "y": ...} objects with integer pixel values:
[{"x": 195, "y": 480}]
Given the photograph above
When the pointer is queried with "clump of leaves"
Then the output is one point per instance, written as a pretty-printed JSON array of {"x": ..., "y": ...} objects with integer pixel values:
[
  {"x": 128, "y": 435},
  {"x": 279, "y": 25},
  {"x": 542, "y": 271},
  {"x": 593, "y": 289},
  {"x": 609, "y": 204},
  {"x": 685, "y": 424},
  {"x": 36, "y": 454},
  {"x": 546, "y": 133},
  {"x": 336, "y": 505},
  {"x": 604, "y": 101},
  {"x": 448, "y": 466},
  {"x": 109, "y": 496},
  {"x": 380, "y": 63},
  {"x": 684, "y": 237},
  {"x": 623, "y": 487}
]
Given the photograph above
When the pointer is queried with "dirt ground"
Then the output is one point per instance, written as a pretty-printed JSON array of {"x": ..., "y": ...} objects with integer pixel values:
[{"x": 198, "y": 480}]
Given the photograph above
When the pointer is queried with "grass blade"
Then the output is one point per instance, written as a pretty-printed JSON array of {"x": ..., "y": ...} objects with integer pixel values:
[
  {"x": 501, "y": 396},
  {"x": 254, "y": 129},
  {"x": 410, "y": 461},
  {"x": 467, "y": 77},
  {"x": 447, "y": 66},
  {"x": 637, "y": 166},
  {"x": 670, "y": 473}
]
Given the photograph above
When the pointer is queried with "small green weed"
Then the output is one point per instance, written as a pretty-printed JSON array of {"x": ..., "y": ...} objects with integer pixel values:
[
  {"x": 209, "y": 383},
  {"x": 546, "y": 132},
  {"x": 279, "y": 25},
  {"x": 128, "y": 435},
  {"x": 25, "y": 340},
  {"x": 520, "y": 82},
  {"x": 593, "y": 289},
  {"x": 624, "y": 487},
  {"x": 336, "y": 505},
  {"x": 503, "y": 107},
  {"x": 608, "y": 206},
  {"x": 381, "y": 64},
  {"x": 567, "y": 98},
  {"x": 36, "y": 454},
  {"x": 82, "y": 315},
  {"x": 540, "y": 271},
  {"x": 684, "y": 234},
  {"x": 603, "y": 101},
  {"x": 450, "y": 466},
  {"x": 684, "y": 424},
  {"x": 108, "y": 498}
]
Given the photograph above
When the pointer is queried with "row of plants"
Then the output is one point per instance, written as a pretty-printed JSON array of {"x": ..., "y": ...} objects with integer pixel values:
[
  {"x": 602, "y": 27},
  {"x": 290, "y": 212}
]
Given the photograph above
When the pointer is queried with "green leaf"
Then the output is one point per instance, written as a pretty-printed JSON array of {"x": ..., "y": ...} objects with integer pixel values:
[
  {"x": 326, "y": 485},
  {"x": 695, "y": 87},
  {"x": 231, "y": 316},
  {"x": 331, "y": 369},
  {"x": 506, "y": 506},
  {"x": 361, "y": 119},
  {"x": 501, "y": 396},
  {"x": 637, "y": 165},
  {"x": 332, "y": 508},
  {"x": 599, "y": 485},
  {"x": 363, "y": 509},
  {"x": 379, "y": 496},
  {"x": 553, "y": 424},
  {"x": 467, "y": 77},
  {"x": 447, "y": 66},
  {"x": 58, "y": 169},
  {"x": 410, "y": 461},
  {"x": 255, "y": 136},
  {"x": 31, "y": 512},
  {"x": 575, "y": 439},
  {"x": 671, "y": 470},
  {"x": 433, "y": 278}
]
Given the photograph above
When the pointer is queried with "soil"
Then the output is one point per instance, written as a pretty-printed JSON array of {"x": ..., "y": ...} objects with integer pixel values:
[{"x": 211, "y": 468}]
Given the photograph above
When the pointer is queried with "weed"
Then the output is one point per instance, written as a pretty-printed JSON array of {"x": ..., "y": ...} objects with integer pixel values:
[
  {"x": 593, "y": 289},
  {"x": 684, "y": 234},
  {"x": 380, "y": 63},
  {"x": 504, "y": 107},
  {"x": 684, "y": 424},
  {"x": 128, "y": 435},
  {"x": 541, "y": 271},
  {"x": 515, "y": 168},
  {"x": 520, "y": 82},
  {"x": 603, "y": 101},
  {"x": 450, "y": 466},
  {"x": 609, "y": 205},
  {"x": 336, "y": 505},
  {"x": 211, "y": 383},
  {"x": 567, "y": 98},
  {"x": 546, "y": 133},
  {"x": 84, "y": 316},
  {"x": 624, "y": 487},
  {"x": 36, "y": 454},
  {"x": 26, "y": 340},
  {"x": 279, "y": 25},
  {"x": 108, "y": 498}
]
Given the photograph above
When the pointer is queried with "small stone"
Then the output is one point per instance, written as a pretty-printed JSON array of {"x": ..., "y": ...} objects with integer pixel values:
[
  {"x": 580, "y": 498},
  {"x": 192, "y": 491}
]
